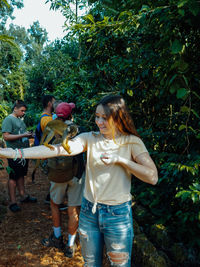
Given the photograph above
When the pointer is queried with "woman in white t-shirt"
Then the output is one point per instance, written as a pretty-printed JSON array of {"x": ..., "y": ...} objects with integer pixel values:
[{"x": 113, "y": 155}]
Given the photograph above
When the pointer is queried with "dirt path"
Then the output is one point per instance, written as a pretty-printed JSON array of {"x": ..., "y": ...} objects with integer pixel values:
[{"x": 21, "y": 233}]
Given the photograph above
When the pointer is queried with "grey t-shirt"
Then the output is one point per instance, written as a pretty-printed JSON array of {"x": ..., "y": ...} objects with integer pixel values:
[{"x": 14, "y": 125}]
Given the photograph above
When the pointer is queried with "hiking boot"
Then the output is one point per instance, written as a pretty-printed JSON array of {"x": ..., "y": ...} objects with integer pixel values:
[
  {"x": 52, "y": 241},
  {"x": 70, "y": 251},
  {"x": 14, "y": 207},
  {"x": 63, "y": 206},
  {"x": 29, "y": 199}
]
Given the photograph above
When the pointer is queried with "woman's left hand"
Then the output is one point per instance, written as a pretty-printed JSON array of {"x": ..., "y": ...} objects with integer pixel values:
[{"x": 109, "y": 158}]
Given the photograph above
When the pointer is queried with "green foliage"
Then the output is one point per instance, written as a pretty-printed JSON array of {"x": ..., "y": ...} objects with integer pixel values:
[
  {"x": 192, "y": 194},
  {"x": 70, "y": 9},
  {"x": 16, "y": 59},
  {"x": 51, "y": 72},
  {"x": 11, "y": 76},
  {"x": 7, "y": 8},
  {"x": 37, "y": 33},
  {"x": 5, "y": 110},
  {"x": 30, "y": 41},
  {"x": 7, "y": 39},
  {"x": 16, "y": 86},
  {"x": 4, "y": 2}
]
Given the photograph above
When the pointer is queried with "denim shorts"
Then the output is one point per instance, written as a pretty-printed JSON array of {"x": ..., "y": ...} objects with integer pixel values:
[{"x": 110, "y": 225}]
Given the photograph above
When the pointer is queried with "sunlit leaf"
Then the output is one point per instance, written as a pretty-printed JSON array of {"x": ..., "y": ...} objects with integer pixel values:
[
  {"x": 130, "y": 92},
  {"x": 182, "y": 92},
  {"x": 181, "y": 127},
  {"x": 176, "y": 47},
  {"x": 182, "y": 3}
]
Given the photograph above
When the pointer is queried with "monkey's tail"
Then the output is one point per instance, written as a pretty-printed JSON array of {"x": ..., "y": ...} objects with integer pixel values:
[
  {"x": 36, "y": 166},
  {"x": 66, "y": 146}
]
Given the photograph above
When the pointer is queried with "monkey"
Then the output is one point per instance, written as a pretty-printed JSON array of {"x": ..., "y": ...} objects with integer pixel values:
[
  {"x": 67, "y": 131},
  {"x": 53, "y": 128}
]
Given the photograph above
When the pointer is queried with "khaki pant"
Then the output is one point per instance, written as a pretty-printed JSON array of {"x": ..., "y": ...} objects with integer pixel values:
[{"x": 74, "y": 189}]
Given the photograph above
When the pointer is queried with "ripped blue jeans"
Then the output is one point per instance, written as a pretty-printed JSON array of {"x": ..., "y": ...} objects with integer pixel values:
[{"x": 110, "y": 225}]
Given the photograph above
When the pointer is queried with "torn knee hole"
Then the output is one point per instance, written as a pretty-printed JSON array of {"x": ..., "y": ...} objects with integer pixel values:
[{"x": 118, "y": 257}]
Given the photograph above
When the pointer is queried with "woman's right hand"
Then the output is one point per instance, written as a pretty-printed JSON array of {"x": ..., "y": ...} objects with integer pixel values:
[{"x": 108, "y": 158}]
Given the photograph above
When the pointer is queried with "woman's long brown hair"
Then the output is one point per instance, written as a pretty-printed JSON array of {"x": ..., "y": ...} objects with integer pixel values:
[{"x": 115, "y": 109}]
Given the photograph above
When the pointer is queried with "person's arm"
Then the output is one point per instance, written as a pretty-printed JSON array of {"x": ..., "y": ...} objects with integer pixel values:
[
  {"x": 143, "y": 167},
  {"x": 12, "y": 137},
  {"x": 40, "y": 152}
]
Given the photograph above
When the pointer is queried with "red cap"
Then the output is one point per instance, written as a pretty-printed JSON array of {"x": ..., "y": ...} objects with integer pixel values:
[{"x": 63, "y": 110}]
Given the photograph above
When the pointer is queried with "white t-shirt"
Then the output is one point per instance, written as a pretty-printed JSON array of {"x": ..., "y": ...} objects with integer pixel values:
[{"x": 109, "y": 184}]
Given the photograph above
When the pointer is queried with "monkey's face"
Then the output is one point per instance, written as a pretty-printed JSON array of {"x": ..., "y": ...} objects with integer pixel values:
[{"x": 70, "y": 131}]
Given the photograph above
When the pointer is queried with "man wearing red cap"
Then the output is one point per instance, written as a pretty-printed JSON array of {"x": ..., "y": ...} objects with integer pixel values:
[
  {"x": 58, "y": 175},
  {"x": 64, "y": 110}
]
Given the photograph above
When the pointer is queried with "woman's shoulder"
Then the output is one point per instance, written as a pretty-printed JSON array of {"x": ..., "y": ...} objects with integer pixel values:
[
  {"x": 86, "y": 138},
  {"x": 136, "y": 144},
  {"x": 132, "y": 139},
  {"x": 89, "y": 135}
]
